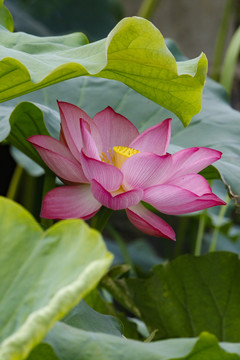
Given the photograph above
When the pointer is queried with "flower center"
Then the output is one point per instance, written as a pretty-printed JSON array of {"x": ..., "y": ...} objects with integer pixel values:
[{"x": 119, "y": 155}]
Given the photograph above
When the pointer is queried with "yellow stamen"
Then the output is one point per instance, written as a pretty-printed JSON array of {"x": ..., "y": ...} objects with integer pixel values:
[
  {"x": 121, "y": 154},
  {"x": 104, "y": 158},
  {"x": 111, "y": 155}
]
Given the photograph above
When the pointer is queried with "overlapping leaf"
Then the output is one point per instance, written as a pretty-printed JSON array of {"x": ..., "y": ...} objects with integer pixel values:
[
  {"x": 134, "y": 53},
  {"x": 75, "y": 344},
  {"x": 32, "y": 123},
  {"x": 85, "y": 318},
  {"x": 6, "y": 20},
  {"x": 42, "y": 275}
]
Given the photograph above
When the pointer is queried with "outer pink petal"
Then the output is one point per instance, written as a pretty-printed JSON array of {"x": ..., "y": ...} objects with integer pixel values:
[
  {"x": 70, "y": 127},
  {"x": 149, "y": 222},
  {"x": 171, "y": 199},
  {"x": 107, "y": 175},
  {"x": 115, "y": 129},
  {"x": 58, "y": 158},
  {"x": 69, "y": 202},
  {"x": 193, "y": 160},
  {"x": 89, "y": 145},
  {"x": 192, "y": 182},
  {"x": 204, "y": 202},
  {"x": 145, "y": 169},
  {"x": 116, "y": 202},
  {"x": 155, "y": 139}
]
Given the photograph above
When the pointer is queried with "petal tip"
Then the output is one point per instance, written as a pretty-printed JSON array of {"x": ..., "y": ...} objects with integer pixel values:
[
  {"x": 34, "y": 139},
  {"x": 168, "y": 120},
  {"x": 221, "y": 202}
]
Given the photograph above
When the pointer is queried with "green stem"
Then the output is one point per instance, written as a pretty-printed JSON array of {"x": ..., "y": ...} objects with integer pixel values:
[
  {"x": 181, "y": 235},
  {"x": 222, "y": 33},
  {"x": 147, "y": 8},
  {"x": 122, "y": 245},
  {"x": 15, "y": 181},
  {"x": 221, "y": 215},
  {"x": 48, "y": 184},
  {"x": 101, "y": 218},
  {"x": 200, "y": 233},
  {"x": 28, "y": 194},
  {"x": 230, "y": 62}
]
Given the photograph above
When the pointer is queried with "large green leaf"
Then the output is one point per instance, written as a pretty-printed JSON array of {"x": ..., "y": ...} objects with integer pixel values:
[
  {"x": 42, "y": 275},
  {"x": 75, "y": 344},
  {"x": 187, "y": 296},
  {"x": 134, "y": 53}
]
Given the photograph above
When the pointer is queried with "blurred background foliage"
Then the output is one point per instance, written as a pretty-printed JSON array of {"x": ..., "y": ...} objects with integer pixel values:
[{"x": 43, "y": 18}]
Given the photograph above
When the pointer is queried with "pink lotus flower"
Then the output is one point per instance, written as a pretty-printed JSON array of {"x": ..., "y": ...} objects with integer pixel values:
[{"x": 105, "y": 161}]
